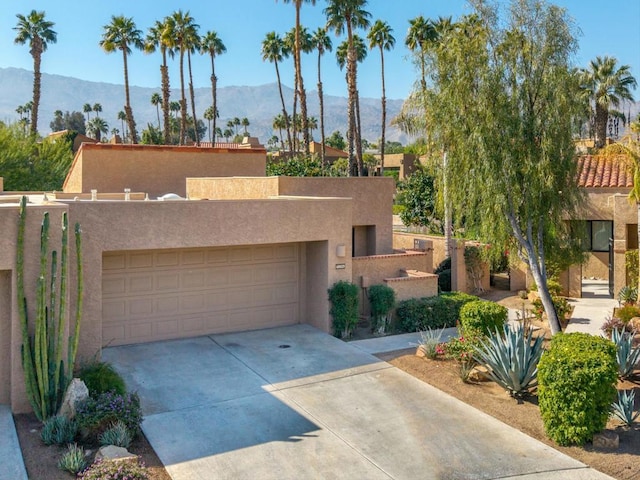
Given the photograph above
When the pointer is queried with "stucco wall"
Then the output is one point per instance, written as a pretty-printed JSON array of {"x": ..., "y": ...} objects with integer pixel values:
[
  {"x": 402, "y": 240},
  {"x": 597, "y": 265},
  {"x": 414, "y": 287},
  {"x": 156, "y": 170}
]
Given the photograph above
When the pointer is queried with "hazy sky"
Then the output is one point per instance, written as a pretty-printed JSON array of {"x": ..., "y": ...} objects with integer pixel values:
[{"x": 607, "y": 28}]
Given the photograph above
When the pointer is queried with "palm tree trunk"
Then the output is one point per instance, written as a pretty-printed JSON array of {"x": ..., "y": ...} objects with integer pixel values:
[
  {"x": 166, "y": 93},
  {"x": 384, "y": 114},
  {"x": 300, "y": 84},
  {"x": 193, "y": 101},
  {"x": 183, "y": 101},
  {"x": 214, "y": 86},
  {"x": 284, "y": 109},
  {"x": 37, "y": 56},
  {"x": 321, "y": 100},
  {"x": 448, "y": 230},
  {"x": 602, "y": 117},
  {"x": 351, "y": 98},
  {"x": 358, "y": 137},
  {"x": 127, "y": 107}
]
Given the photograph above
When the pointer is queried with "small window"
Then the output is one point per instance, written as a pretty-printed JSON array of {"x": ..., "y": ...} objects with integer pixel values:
[{"x": 598, "y": 234}]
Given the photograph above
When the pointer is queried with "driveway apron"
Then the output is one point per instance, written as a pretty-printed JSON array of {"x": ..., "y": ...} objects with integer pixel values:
[{"x": 294, "y": 402}]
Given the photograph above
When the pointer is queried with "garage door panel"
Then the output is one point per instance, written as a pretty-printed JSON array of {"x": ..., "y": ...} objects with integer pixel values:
[{"x": 163, "y": 294}]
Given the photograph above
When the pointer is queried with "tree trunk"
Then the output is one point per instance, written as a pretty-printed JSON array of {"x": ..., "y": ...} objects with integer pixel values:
[
  {"x": 284, "y": 109},
  {"x": 37, "y": 56},
  {"x": 300, "y": 84},
  {"x": 183, "y": 101},
  {"x": 127, "y": 107},
  {"x": 384, "y": 113},
  {"x": 351, "y": 99},
  {"x": 321, "y": 101},
  {"x": 166, "y": 93},
  {"x": 448, "y": 227},
  {"x": 193, "y": 101},
  {"x": 602, "y": 117},
  {"x": 359, "y": 156},
  {"x": 214, "y": 96}
]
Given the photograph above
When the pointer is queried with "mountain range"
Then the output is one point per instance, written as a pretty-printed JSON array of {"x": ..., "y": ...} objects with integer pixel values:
[{"x": 260, "y": 104}]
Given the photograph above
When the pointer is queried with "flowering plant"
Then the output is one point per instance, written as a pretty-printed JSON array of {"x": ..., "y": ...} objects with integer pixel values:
[
  {"x": 120, "y": 470},
  {"x": 95, "y": 414}
]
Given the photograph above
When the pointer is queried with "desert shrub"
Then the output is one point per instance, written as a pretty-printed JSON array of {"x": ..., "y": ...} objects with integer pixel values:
[
  {"x": 511, "y": 358},
  {"x": 631, "y": 262},
  {"x": 554, "y": 287},
  {"x": 577, "y": 385},
  {"x": 443, "y": 270},
  {"x": 117, "y": 434},
  {"x": 101, "y": 377},
  {"x": 343, "y": 296},
  {"x": 429, "y": 342},
  {"x": 73, "y": 460},
  {"x": 626, "y": 313},
  {"x": 442, "y": 311},
  {"x": 58, "y": 430},
  {"x": 120, "y": 470},
  {"x": 615, "y": 323},
  {"x": 628, "y": 295},
  {"x": 461, "y": 349},
  {"x": 480, "y": 318},
  {"x": 382, "y": 299},
  {"x": 96, "y": 414},
  {"x": 560, "y": 304}
]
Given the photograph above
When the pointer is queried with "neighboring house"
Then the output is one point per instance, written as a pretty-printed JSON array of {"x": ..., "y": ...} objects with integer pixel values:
[
  {"x": 78, "y": 139},
  {"x": 402, "y": 163},
  {"x": 239, "y": 251}
]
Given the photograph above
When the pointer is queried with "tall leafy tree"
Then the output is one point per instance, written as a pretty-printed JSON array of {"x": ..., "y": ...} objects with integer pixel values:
[
  {"x": 606, "y": 85},
  {"x": 299, "y": 82},
  {"x": 212, "y": 44},
  {"x": 509, "y": 78},
  {"x": 121, "y": 34},
  {"x": 381, "y": 36},
  {"x": 156, "y": 39},
  {"x": 322, "y": 43},
  {"x": 347, "y": 15},
  {"x": 274, "y": 50},
  {"x": 38, "y": 32}
]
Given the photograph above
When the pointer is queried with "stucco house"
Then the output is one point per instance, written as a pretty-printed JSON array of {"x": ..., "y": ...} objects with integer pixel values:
[{"x": 233, "y": 250}]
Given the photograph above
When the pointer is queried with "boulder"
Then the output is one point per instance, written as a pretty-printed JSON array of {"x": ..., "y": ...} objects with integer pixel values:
[
  {"x": 606, "y": 440},
  {"x": 76, "y": 392},
  {"x": 113, "y": 453},
  {"x": 479, "y": 374},
  {"x": 635, "y": 323}
]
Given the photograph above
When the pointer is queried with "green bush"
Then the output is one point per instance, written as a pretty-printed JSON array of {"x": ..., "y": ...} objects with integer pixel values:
[
  {"x": 101, "y": 377},
  {"x": 442, "y": 311},
  {"x": 397, "y": 209},
  {"x": 120, "y": 470},
  {"x": 96, "y": 414},
  {"x": 117, "y": 434},
  {"x": 631, "y": 262},
  {"x": 382, "y": 299},
  {"x": 577, "y": 385},
  {"x": 482, "y": 318},
  {"x": 344, "y": 308},
  {"x": 560, "y": 304},
  {"x": 443, "y": 270},
  {"x": 58, "y": 430},
  {"x": 626, "y": 313},
  {"x": 73, "y": 460}
]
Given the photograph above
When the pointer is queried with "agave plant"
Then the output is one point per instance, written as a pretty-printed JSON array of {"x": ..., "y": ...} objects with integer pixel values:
[
  {"x": 511, "y": 358},
  {"x": 628, "y": 295},
  {"x": 628, "y": 357},
  {"x": 623, "y": 408}
]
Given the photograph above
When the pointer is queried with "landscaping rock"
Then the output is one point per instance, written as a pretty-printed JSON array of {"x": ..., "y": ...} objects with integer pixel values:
[
  {"x": 420, "y": 352},
  {"x": 635, "y": 323},
  {"x": 479, "y": 374},
  {"x": 76, "y": 392},
  {"x": 606, "y": 440},
  {"x": 113, "y": 453}
]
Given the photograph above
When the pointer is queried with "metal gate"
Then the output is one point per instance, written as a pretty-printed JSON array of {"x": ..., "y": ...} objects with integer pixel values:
[{"x": 611, "y": 295}]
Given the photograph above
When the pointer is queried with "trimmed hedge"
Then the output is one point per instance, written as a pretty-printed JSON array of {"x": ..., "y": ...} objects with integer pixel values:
[
  {"x": 482, "y": 318},
  {"x": 343, "y": 296},
  {"x": 442, "y": 311},
  {"x": 577, "y": 384},
  {"x": 443, "y": 270}
]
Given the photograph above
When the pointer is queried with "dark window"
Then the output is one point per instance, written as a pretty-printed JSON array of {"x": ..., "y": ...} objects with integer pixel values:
[{"x": 598, "y": 234}]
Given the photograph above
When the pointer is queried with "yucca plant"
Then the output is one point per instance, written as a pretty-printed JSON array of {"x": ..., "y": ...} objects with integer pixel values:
[
  {"x": 73, "y": 460},
  {"x": 628, "y": 357},
  {"x": 511, "y": 358},
  {"x": 623, "y": 408},
  {"x": 628, "y": 295},
  {"x": 117, "y": 434},
  {"x": 429, "y": 341}
]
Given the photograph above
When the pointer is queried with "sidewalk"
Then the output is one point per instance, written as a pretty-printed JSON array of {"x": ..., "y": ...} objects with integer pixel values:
[{"x": 11, "y": 463}]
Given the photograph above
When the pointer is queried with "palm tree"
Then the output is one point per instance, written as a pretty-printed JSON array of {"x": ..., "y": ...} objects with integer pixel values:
[
  {"x": 97, "y": 108},
  {"x": 321, "y": 42},
  {"x": 227, "y": 134},
  {"x": 274, "y": 50},
  {"x": 380, "y": 36},
  {"x": 120, "y": 34},
  {"x": 420, "y": 32},
  {"x": 208, "y": 116},
  {"x": 210, "y": 43},
  {"x": 236, "y": 123},
  {"x": 156, "y": 39},
  {"x": 38, "y": 33},
  {"x": 175, "y": 108},
  {"x": 279, "y": 123},
  {"x": 347, "y": 15},
  {"x": 87, "y": 108},
  {"x": 313, "y": 125},
  {"x": 299, "y": 83},
  {"x": 156, "y": 100},
  {"x": 305, "y": 45},
  {"x": 193, "y": 46},
  {"x": 179, "y": 34},
  {"x": 606, "y": 86},
  {"x": 217, "y": 134},
  {"x": 96, "y": 127},
  {"x": 122, "y": 117},
  {"x": 245, "y": 123}
]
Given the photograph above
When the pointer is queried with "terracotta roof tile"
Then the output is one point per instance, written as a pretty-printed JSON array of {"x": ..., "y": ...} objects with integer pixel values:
[{"x": 596, "y": 171}]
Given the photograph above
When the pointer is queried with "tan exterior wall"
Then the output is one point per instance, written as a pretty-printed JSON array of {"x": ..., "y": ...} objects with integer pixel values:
[
  {"x": 403, "y": 241},
  {"x": 235, "y": 188},
  {"x": 597, "y": 266},
  {"x": 1, "y": 184},
  {"x": 414, "y": 287},
  {"x": 156, "y": 170}
]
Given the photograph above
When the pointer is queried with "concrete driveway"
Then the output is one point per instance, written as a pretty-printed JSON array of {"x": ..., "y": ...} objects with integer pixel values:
[{"x": 296, "y": 403}]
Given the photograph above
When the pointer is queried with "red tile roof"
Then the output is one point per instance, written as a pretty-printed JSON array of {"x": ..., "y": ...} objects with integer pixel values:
[{"x": 596, "y": 171}]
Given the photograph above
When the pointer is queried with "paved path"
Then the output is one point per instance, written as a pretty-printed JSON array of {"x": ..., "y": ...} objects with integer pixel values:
[
  {"x": 11, "y": 463},
  {"x": 592, "y": 310},
  {"x": 294, "y": 402}
]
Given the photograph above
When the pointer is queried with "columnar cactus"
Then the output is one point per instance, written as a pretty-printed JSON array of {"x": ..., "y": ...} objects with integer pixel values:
[{"x": 42, "y": 353}]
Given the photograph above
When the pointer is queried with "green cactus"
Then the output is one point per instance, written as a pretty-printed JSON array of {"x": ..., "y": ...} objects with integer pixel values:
[{"x": 42, "y": 353}]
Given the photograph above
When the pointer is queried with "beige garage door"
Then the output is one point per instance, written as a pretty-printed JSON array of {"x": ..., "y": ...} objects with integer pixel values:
[{"x": 164, "y": 294}]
